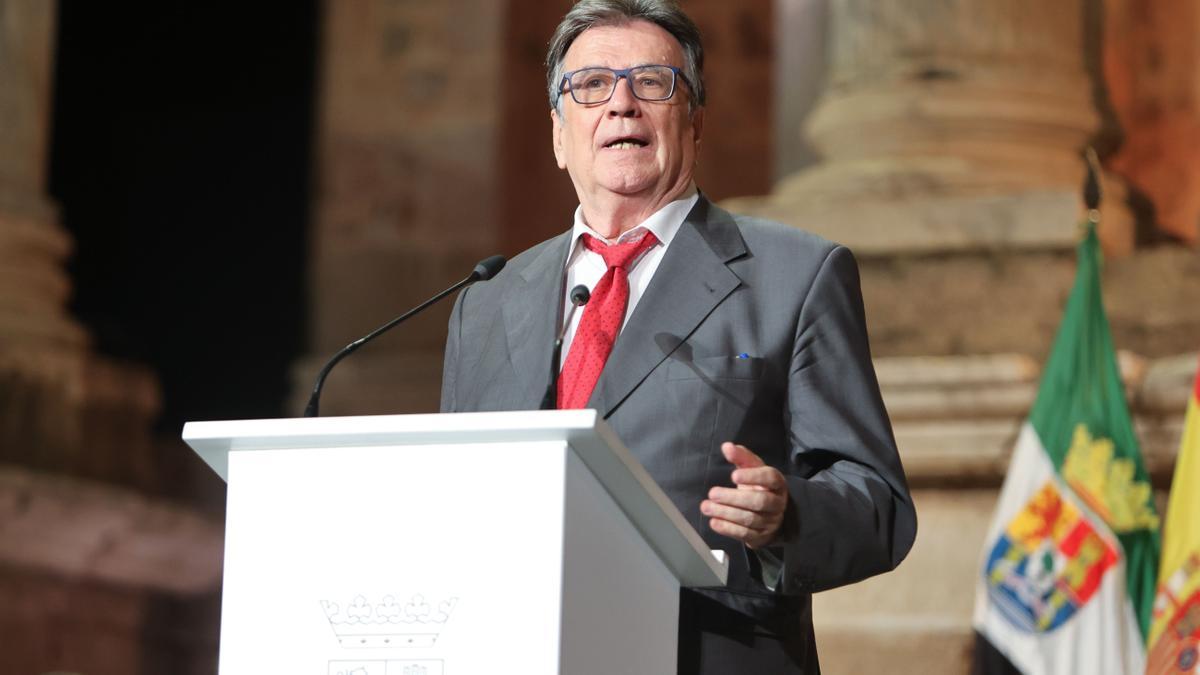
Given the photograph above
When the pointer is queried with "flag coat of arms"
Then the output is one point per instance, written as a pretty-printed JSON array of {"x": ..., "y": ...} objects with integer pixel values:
[
  {"x": 1069, "y": 563},
  {"x": 1174, "y": 642}
]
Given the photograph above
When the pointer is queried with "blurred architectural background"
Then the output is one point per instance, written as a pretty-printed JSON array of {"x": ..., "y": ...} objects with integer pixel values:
[{"x": 200, "y": 202}]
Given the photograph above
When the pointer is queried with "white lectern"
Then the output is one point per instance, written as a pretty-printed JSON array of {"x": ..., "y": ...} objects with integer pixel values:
[{"x": 523, "y": 542}]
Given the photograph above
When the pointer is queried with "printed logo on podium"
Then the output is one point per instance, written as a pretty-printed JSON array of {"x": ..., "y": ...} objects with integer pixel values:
[{"x": 361, "y": 624}]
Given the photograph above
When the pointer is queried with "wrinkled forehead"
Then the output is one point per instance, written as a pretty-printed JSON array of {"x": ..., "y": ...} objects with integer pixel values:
[{"x": 623, "y": 44}]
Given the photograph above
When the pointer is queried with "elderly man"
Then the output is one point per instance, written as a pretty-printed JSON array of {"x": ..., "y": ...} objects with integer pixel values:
[{"x": 729, "y": 354}]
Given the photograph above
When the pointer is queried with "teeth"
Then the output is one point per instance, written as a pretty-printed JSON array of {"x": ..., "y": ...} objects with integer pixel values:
[{"x": 625, "y": 145}]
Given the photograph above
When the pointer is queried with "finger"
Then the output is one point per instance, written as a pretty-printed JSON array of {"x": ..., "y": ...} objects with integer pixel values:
[
  {"x": 767, "y": 477},
  {"x": 747, "y": 536},
  {"x": 738, "y": 516},
  {"x": 740, "y": 456},
  {"x": 759, "y": 501}
]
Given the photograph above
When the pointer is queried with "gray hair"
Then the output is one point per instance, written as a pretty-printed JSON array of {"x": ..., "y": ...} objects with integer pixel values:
[{"x": 663, "y": 13}]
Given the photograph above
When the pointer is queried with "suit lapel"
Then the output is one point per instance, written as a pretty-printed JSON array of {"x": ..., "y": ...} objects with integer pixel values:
[
  {"x": 530, "y": 317},
  {"x": 690, "y": 282}
]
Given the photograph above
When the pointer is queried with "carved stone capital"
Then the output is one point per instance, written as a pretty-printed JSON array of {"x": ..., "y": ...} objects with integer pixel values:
[{"x": 950, "y": 125}]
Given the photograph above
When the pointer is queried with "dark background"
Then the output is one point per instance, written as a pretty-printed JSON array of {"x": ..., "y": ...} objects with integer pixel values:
[{"x": 181, "y": 146}]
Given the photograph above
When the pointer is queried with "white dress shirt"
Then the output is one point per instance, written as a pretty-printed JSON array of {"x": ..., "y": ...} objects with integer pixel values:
[{"x": 586, "y": 267}]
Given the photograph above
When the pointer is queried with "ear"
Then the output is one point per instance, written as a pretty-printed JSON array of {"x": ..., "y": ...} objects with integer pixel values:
[{"x": 556, "y": 137}]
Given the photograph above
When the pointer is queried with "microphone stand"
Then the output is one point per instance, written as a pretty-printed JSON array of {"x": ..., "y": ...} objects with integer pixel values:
[{"x": 579, "y": 297}]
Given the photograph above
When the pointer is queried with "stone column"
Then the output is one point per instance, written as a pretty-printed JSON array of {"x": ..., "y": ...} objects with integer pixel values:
[
  {"x": 62, "y": 409},
  {"x": 406, "y": 198},
  {"x": 949, "y": 125},
  {"x": 800, "y": 66},
  {"x": 33, "y": 285},
  {"x": 40, "y": 345}
]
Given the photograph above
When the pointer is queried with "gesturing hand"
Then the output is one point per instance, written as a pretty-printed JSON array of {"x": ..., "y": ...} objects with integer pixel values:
[{"x": 753, "y": 511}]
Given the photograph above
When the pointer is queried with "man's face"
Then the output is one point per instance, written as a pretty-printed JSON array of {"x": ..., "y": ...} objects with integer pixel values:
[{"x": 660, "y": 137}]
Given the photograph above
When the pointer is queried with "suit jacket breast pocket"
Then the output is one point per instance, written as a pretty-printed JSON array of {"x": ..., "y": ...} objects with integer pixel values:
[
  {"x": 697, "y": 404},
  {"x": 713, "y": 394},
  {"x": 723, "y": 387}
]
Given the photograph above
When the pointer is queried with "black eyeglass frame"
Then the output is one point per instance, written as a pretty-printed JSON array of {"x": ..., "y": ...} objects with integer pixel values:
[{"x": 618, "y": 73}]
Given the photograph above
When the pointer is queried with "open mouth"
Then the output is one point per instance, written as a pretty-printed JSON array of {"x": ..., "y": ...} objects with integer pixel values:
[{"x": 627, "y": 143}]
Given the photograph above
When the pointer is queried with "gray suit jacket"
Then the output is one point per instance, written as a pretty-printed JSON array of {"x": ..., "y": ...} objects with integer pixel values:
[{"x": 752, "y": 332}]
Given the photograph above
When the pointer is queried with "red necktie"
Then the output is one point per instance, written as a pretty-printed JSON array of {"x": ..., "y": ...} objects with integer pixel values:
[{"x": 602, "y": 319}]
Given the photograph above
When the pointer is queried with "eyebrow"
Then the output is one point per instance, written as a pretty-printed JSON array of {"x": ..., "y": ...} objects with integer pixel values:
[{"x": 636, "y": 65}]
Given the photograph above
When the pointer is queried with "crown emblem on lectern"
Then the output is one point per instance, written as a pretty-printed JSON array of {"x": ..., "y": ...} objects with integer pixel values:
[{"x": 388, "y": 623}]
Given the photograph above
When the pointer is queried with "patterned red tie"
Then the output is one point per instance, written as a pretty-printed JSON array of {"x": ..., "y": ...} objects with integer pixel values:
[{"x": 602, "y": 319}]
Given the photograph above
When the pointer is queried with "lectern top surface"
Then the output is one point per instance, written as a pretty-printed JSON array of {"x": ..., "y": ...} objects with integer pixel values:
[{"x": 643, "y": 501}]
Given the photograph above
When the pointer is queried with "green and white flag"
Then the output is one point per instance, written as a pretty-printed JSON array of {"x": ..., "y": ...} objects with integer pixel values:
[{"x": 1069, "y": 563}]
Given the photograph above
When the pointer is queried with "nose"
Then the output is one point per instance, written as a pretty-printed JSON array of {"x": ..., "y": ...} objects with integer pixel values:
[{"x": 623, "y": 103}]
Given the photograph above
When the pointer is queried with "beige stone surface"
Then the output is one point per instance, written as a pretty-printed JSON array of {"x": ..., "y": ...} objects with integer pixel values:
[
  {"x": 955, "y": 371},
  {"x": 951, "y": 451},
  {"x": 949, "y": 126},
  {"x": 969, "y": 303},
  {"x": 96, "y": 532},
  {"x": 998, "y": 86},
  {"x": 26, "y": 58},
  {"x": 900, "y": 224},
  {"x": 78, "y": 414},
  {"x": 957, "y": 451},
  {"x": 409, "y": 110},
  {"x": 916, "y": 619},
  {"x": 33, "y": 286},
  {"x": 909, "y": 648},
  {"x": 1168, "y": 383},
  {"x": 956, "y": 418},
  {"x": 1005, "y": 400},
  {"x": 378, "y": 382},
  {"x": 1151, "y": 299},
  {"x": 1160, "y": 401},
  {"x": 987, "y": 302}
]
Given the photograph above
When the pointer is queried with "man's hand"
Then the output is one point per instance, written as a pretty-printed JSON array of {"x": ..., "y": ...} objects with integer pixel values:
[{"x": 752, "y": 512}]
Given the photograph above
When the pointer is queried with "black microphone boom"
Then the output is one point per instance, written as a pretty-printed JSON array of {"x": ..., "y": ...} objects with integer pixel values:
[
  {"x": 486, "y": 269},
  {"x": 579, "y": 297}
]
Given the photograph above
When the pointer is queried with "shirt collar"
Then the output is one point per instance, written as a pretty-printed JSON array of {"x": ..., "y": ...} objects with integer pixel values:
[{"x": 663, "y": 223}]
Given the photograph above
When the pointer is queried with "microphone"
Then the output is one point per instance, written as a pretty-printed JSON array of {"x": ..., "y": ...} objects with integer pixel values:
[
  {"x": 486, "y": 269},
  {"x": 579, "y": 297}
]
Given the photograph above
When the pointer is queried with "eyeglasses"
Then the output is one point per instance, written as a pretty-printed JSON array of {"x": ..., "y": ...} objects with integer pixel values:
[{"x": 597, "y": 85}]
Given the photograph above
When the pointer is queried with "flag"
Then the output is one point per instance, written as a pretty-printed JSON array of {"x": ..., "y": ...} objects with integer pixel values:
[
  {"x": 1175, "y": 625},
  {"x": 1071, "y": 555}
]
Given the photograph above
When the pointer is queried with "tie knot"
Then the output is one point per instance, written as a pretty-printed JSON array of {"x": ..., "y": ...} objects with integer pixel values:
[{"x": 620, "y": 255}]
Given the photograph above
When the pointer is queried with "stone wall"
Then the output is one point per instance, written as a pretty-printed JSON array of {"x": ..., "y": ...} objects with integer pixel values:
[{"x": 408, "y": 122}]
